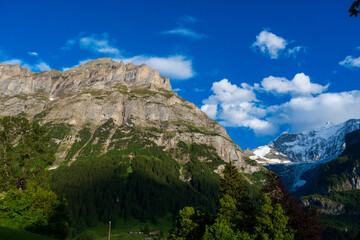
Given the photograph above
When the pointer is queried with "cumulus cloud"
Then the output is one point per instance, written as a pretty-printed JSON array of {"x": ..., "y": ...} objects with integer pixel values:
[
  {"x": 303, "y": 113},
  {"x": 350, "y": 62},
  {"x": 100, "y": 45},
  {"x": 236, "y": 106},
  {"x": 309, "y": 107},
  {"x": 176, "y": 67},
  {"x": 299, "y": 85},
  {"x": 270, "y": 44},
  {"x": 185, "y": 32}
]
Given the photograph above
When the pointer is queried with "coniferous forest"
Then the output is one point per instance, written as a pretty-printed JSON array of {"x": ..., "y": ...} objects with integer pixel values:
[{"x": 138, "y": 182}]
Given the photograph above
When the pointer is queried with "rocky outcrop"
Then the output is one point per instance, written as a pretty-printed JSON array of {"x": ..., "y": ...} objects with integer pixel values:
[
  {"x": 324, "y": 205},
  {"x": 99, "y": 90}
]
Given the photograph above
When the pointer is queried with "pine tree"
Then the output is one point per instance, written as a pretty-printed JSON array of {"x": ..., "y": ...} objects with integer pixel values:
[
  {"x": 232, "y": 186},
  {"x": 271, "y": 221},
  {"x": 306, "y": 225}
]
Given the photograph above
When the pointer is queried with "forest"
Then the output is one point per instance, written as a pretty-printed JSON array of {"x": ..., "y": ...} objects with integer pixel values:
[{"x": 138, "y": 180}]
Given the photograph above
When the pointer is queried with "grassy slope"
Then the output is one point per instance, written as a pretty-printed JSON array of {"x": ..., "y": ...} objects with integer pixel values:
[
  {"x": 123, "y": 227},
  {"x": 15, "y": 234}
]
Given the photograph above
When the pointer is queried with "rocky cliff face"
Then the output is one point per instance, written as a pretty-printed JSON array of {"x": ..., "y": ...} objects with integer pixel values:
[{"x": 91, "y": 94}]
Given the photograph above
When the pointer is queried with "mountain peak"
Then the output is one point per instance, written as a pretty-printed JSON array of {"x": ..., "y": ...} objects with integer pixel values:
[{"x": 99, "y": 74}]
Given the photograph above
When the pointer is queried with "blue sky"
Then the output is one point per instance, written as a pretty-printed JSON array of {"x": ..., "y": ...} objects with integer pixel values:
[{"x": 257, "y": 67}]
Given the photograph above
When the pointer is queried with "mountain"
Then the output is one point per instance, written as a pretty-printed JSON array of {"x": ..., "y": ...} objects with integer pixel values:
[
  {"x": 335, "y": 190},
  {"x": 126, "y": 145},
  {"x": 292, "y": 154},
  {"x": 311, "y": 145},
  {"x": 102, "y": 90}
]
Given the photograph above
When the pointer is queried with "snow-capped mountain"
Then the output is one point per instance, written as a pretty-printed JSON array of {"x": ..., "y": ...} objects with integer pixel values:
[{"x": 312, "y": 145}]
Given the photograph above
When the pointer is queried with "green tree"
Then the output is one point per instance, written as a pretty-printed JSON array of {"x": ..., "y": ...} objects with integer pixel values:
[
  {"x": 35, "y": 209},
  {"x": 25, "y": 152},
  {"x": 234, "y": 202},
  {"x": 220, "y": 230},
  {"x": 234, "y": 215},
  {"x": 271, "y": 222},
  {"x": 305, "y": 224},
  {"x": 189, "y": 225},
  {"x": 26, "y": 201}
]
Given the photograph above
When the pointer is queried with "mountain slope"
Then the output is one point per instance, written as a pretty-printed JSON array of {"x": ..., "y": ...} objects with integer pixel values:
[
  {"x": 87, "y": 96},
  {"x": 293, "y": 155},
  {"x": 126, "y": 145},
  {"x": 312, "y": 145},
  {"x": 335, "y": 190}
]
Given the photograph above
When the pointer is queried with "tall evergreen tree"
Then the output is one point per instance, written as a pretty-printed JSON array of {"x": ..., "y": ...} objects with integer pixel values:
[
  {"x": 271, "y": 221},
  {"x": 233, "y": 190},
  {"x": 305, "y": 224}
]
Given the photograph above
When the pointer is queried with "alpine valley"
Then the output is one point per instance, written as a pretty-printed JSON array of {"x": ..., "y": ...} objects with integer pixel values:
[
  {"x": 126, "y": 146},
  {"x": 321, "y": 167},
  {"x": 108, "y": 143}
]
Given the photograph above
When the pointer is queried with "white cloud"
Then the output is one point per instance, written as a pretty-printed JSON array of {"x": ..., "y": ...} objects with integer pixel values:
[
  {"x": 33, "y": 53},
  {"x": 303, "y": 113},
  {"x": 40, "y": 66},
  {"x": 309, "y": 107},
  {"x": 175, "y": 67},
  {"x": 299, "y": 85},
  {"x": 185, "y": 32},
  {"x": 178, "y": 90},
  {"x": 100, "y": 45},
  {"x": 269, "y": 43},
  {"x": 236, "y": 106},
  {"x": 13, "y": 61},
  {"x": 210, "y": 110},
  {"x": 350, "y": 62}
]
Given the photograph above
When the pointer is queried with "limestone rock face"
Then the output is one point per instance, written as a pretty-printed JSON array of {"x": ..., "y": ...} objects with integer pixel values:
[{"x": 102, "y": 89}]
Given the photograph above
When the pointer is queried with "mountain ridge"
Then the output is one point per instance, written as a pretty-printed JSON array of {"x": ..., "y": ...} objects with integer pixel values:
[
  {"x": 89, "y": 95},
  {"x": 310, "y": 145}
]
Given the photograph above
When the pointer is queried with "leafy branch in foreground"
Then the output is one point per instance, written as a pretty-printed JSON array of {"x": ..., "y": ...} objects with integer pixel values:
[{"x": 354, "y": 9}]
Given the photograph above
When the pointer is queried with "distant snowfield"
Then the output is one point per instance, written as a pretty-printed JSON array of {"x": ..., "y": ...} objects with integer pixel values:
[{"x": 262, "y": 151}]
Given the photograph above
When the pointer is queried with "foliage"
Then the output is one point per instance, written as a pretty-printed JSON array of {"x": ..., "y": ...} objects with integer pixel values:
[
  {"x": 8, "y": 233},
  {"x": 35, "y": 209},
  {"x": 236, "y": 217},
  {"x": 189, "y": 225},
  {"x": 26, "y": 201},
  {"x": 235, "y": 200},
  {"x": 354, "y": 9},
  {"x": 271, "y": 221},
  {"x": 305, "y": 224},
  {"x": 144, "y": 186},
  {"x": 25, "y": 152}
]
